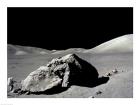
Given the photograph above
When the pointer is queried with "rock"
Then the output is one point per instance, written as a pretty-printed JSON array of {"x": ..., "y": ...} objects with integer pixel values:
[
  {"x": 115, "y": 71},
  {"x": 13, "y": 85},
  {"x": 10, "y": 83},
  {"x": 108, "y": 74},
  {"x": 17, "y": 90},
  {"x": 63, "y": 71},
  {"x": 17, "y": 87},
  {"x": 98, "y": 92},
  {"x": 91, "y": 97}
]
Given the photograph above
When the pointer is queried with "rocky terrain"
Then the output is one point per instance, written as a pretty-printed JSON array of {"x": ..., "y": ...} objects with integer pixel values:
[{"x": 105, "y": 71}]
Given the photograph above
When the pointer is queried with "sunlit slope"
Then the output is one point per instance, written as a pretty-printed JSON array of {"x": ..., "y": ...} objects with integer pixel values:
[{"x": 120, "y": 44}]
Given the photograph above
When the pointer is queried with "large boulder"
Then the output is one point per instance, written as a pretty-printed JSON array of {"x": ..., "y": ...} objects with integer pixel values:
[{"x": 63, "y": 72}]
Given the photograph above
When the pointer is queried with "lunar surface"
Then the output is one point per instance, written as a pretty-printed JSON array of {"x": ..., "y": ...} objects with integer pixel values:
[{"x": 112, "y": 59}]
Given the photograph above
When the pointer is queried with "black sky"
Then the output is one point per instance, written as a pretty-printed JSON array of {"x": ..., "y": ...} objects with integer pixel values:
[{"x": 62, "y": 28}]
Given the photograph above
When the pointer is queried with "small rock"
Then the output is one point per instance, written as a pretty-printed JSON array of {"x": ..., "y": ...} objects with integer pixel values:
[
  {"x": 108, "y": 74},
  {"x": 98, "y": 92},
  {"x": 91, "y": 97},
  {"x": 16, "y": 90},
  {"x": 21, "y": 92},
  {"x": 115, "y": 71},
  {"x": 10, "y": 83}
]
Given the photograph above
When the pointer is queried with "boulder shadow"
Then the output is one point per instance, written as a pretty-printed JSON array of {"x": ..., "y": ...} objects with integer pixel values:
[{"x": 89, "y": 77}]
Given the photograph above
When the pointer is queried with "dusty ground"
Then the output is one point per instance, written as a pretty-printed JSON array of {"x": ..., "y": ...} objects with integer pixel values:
[{"x": 119, "y": 85}]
